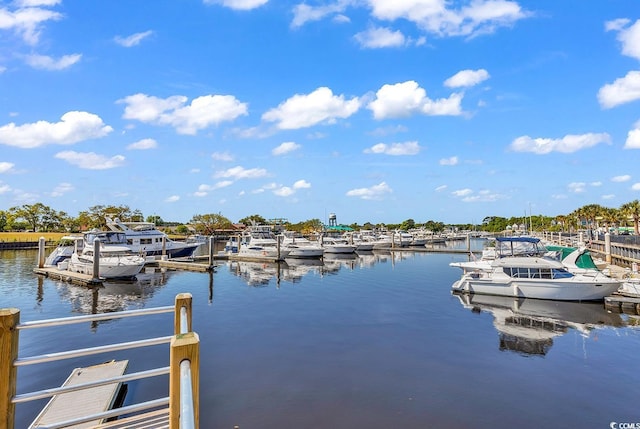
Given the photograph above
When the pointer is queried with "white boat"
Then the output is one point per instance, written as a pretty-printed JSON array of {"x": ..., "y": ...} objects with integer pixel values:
[
  {"x": 259, "y": 242},
  {"x": 146, "y": 239},
  {"x": 337, "y": 245},
  {"x": 299, "y": 246},
  {"x": 116, "y": 261},
  {"x": 358, "y": 239},
  {"x": 402, "y": 238},
  {"x": 63, "y": 251},
  {"x": 521, "y": 269},
  {"x": 536, "y": 277}
]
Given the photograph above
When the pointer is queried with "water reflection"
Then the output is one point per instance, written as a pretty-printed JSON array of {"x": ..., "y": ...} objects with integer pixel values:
[
  {"x": 293, "y": 270},
  {"x": 110, "y": 296},
  {"x": 528, "y": 326}
]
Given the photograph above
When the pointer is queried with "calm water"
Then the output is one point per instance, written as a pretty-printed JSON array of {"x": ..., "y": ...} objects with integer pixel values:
[{"x": 373, "y": 342}]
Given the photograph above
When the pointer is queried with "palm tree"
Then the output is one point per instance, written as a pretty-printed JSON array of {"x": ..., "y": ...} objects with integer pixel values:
[{"x": 632, "y": 210}]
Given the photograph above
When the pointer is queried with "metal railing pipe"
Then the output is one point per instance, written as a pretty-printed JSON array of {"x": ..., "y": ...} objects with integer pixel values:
[
  {"x": 94, "y": 317},
  {"x": 52, "y": 357},
  {"x": 187, "y": 415}
]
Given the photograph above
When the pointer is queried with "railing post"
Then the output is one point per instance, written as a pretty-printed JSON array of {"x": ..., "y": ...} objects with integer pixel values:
[
  {"x": 182, "y": 300},
  {"x": 9, "y": 319},
  {"x": 212, "y": 244},
  {"x": 184, "y": 347},
  {"x": 607, "y": 247}
]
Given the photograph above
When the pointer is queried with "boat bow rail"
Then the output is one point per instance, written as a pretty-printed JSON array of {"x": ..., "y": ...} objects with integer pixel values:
[{"x": 178, "y": 410}]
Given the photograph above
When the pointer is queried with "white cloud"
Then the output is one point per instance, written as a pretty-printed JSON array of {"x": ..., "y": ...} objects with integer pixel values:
[
  {"x": 306, "y": 110},
  {"x": 303, "y": 13},
  {"x": 596, "y": 183},
  {"x": 239, "y": 172},
  {"x": 622, "y": 90},
  {"x": 467, "y": 78},
  {"x": 27, "y": 20},
  {"x": 396, "y": 149},
  {"x": 633, "y": 139},
  {"x": 567, "y": 144},
  {"x": 62, "y": 189},
  {"x": 484, "y": 196},
  {"x": 407, "y": 98},
  {"x": 285, "y": 148},
  {"x": 143, "y": 144},
  {"x": 202, "y": 113},
  {"x": 622, "y": 178},
  {"x": 91, "y": 160},
  {"x": 577, "y": 187},
  {"x": 172, "y": 199},
  {"x": 238, "y": 4},
  {"x": 133, "y": 40},
  {"x": 222, "y": 156},
  {"x": 4, "y": 188},
  {"x": 635, "y": 187},
  {"x": 380, "y": 37},
  {"x": 462, "y": 192},
  {"x": 74, "y": 127},
  {"x": 46, "y": 62},
  {"x": 479, "y": 17},
  {"x": 449, "y": 161},
  {"x": 6, "y": 167},
  {"x": 375, "y": 192},
  {"x": 441, "y": 188},
  {"x": 608, "y": 196},
  {"x": 628, "y": 37},
  {"x": 284, "y": 191},
  {"x": 301, "y": 184}
]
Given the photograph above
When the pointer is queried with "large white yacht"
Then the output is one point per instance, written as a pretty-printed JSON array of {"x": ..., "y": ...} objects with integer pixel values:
[
  {"x": 146, "y": 239},
  {"x": 520, "y": 273}
]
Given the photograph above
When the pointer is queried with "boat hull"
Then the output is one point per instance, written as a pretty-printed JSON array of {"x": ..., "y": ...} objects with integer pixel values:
[{"x": 573, "y": 290}]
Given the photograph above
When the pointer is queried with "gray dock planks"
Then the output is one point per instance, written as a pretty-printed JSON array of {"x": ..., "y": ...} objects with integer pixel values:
[{"x": 71, "y": 405}]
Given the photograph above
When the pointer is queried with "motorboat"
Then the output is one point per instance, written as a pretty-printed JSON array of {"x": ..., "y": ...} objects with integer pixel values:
[
  {"x": 146, "y": 239},
  {"x": 337, "y": 245},
  {"x": 63, "y": 251},
  {"x": 116, "y": 261},
  {"x": 402, "y": 238},
  {"x": 536, "y": 277},
  {"x": 300, "y": 246},
  {"x": 363, "y": 243},
  {"x": 522, "y": 268},
  {"x": 258, "y": 242}
]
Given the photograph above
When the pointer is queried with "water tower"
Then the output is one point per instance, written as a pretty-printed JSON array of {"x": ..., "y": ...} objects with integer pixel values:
[{"x": 333, "y": 221}]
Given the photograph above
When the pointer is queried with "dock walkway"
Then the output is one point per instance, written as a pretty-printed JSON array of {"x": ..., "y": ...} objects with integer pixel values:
[{"x": 73, "y": 405}]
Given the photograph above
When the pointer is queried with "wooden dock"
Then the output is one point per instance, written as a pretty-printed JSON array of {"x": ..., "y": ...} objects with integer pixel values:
[
  {"x": 73, "y": 405},
  {"x": 618, "y": 303},
  {"x": 68, "y": 276}
]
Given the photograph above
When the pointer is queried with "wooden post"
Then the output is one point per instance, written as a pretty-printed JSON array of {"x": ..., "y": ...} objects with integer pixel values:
[
  {"x": 212, "y": 245},
  {"x": 41, "y": 243},
  {"x": 164, "y": 246},
  {"x": 607, "y": 247},
  {"x": 9, "y": 319},
  {"x": 278, "y": 246},
  {"x": 96, "y": 259},
  {"x": 184, "y": 346},
  {"x": 182, "y": 300}
]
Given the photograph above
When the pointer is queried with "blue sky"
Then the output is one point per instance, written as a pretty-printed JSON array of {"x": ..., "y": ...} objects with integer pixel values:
[{"x": 375, "y": 110}]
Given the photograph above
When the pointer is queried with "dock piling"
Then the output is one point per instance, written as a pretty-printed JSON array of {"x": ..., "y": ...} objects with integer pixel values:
[{"x": 9, "y": 319}]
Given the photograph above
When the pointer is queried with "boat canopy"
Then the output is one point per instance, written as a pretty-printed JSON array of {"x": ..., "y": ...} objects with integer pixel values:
[{"x": 519, "y": 239}]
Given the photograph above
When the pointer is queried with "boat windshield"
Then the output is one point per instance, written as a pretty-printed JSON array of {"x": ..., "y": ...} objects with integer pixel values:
[
  {"x": 519, "y": 246},
  {"x": 106, "y": 237},
  {"x": 537, "y": 273}
]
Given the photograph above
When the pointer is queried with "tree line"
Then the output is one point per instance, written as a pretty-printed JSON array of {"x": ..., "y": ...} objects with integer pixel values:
[{"x": 41, "y": 218}]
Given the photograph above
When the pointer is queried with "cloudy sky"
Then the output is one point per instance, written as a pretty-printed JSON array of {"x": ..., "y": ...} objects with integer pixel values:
[{"x": 375, "y": 110}]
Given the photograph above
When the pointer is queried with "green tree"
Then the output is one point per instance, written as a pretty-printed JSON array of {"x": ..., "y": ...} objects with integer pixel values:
[
  {"x": 208, "y": 224},
  {"x": 32, "y": 214},
  {"x": 631, "y": 210},
  {"x": 96, "y": 216},
  {"x": 408, "y": 224},
  {"x": 255, "y": 218}
]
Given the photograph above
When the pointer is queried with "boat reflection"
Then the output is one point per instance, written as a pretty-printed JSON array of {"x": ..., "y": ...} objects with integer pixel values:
[
  {"x": 111, "y": 296},
  {"x": 293, "y": 270},
  {"x": 528, "y": 326}
]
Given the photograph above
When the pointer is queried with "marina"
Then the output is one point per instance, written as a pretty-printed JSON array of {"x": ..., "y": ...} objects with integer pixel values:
[{"x": 375, "y": 340}]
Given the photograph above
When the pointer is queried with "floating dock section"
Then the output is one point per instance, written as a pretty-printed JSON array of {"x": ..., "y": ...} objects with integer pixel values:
[{"x": 73, "y": 405}]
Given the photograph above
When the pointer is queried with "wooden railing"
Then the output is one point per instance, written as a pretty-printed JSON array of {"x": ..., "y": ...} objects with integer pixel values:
[{"x": 181, "y": 407}]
